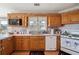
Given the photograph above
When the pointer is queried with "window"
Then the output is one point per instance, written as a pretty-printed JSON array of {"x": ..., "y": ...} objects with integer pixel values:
[{"x": 3, "y": 24}]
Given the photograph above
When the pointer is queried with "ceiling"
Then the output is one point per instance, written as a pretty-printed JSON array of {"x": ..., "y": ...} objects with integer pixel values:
[{"x": 29, "y": 7}]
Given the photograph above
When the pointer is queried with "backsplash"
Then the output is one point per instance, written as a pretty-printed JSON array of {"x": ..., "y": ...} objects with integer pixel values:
[
  {"x": 71, "y": 28},
  {"x": 18, "y": 30}
]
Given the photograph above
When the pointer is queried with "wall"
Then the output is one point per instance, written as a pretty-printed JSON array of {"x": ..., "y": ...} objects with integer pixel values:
[
  {"x": 18, "y": 29},
  {"x": 71, "y": 28}
]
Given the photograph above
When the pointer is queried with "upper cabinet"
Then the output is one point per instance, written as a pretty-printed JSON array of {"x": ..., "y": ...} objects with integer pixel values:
[
  {"x": 51, "y": 20},
  {"x": 17, "y": 16},
  {"x": 70, "y": 17},
  {"x": 37, "y": 23},
  {"x": 74, "y": 18},
  {"x": 66, "y": 19},
  {"x": 54, "y": 21}
]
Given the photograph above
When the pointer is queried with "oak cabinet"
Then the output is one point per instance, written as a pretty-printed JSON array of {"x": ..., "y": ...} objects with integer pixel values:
[
  {"x": 70, "y": 17},
  {"x": 75, "y": 18},
  {"x": 54, "y": 21},
  {"x": 21, "y": 43},
  {"x": 25, "y": 43},
  {"x": 18, "y": 16},
  {"x": 66, "y": 19},
  {"x": 0, "y": 47},
  {"x": 7, "y": 46},
  {"x": 37, "y": 43},
  {"x": 18, "y": 44}
]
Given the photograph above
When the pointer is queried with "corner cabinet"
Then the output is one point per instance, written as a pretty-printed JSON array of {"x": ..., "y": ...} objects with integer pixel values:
[
  {"x": 50, "y": 43},
  {"x": 7, "y": 46},
  {"x": 54, "y": 21}
]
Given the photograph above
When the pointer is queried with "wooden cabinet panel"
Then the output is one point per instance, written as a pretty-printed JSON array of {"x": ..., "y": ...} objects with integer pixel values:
[
  {"x": 18, "y": 43},
  {"x": 25, "y": 21},
  {"x": 0, "y": 47},
  {"x": 66, "y": 19},
  {"x": 37, "y": 43},
  {"x": 75, "y": 18},
  {"x": 25, "y": 43},
  {"x": 18, "y": 16},
  {"x": 22, "y": 43},
  {"x": 70, "y": 17},
  {"x": 7, "y": 45},
  {"x": 54, "y": 21}
]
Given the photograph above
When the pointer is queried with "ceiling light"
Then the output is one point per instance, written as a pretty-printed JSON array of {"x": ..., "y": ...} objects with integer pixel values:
[{"x": 36, "y": 4}]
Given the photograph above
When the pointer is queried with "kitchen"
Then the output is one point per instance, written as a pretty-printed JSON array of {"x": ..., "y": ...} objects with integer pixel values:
[{"x": 39, "y": 30}]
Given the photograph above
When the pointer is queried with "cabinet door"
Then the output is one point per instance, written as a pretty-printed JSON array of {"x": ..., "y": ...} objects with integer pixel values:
[
  {"x": 25, "y": 43},
  {"x": 75, "y": 18},
  {"x": 0, "y": 47},
  {"x": 54, "y": 21},
  {"x": 37, "y": 43},
  {"x": 41, "y": 43},
  {"x": 25, "y": 21},
  {"x": 18, "y": 43},
  {"x": 50, "y": 43},
  {"x": 66, "y": 19},
  {"x": 7, "y": 45}
]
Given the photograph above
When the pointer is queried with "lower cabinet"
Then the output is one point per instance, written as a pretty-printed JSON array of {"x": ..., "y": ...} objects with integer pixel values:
[
  {"x": 21, "y": 42},
  {"x": 0, "y": 47},
  {"x": 25, "y": 43},
  {"x": 50, "y": 43},
  {"x": 7, "y": 46},
  {"x": 29, "y": 43},
  {"x": 37, "y": 43}
]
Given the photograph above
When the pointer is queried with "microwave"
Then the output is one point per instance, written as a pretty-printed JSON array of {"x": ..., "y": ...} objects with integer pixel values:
[{"x": 15, "y": 21}]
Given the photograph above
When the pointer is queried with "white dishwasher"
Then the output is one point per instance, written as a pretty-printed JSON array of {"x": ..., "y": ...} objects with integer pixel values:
[{"x": 50, "y": 43}]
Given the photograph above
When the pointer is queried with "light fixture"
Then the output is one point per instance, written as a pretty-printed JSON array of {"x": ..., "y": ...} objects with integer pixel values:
[{"x": 36, "y": 4}]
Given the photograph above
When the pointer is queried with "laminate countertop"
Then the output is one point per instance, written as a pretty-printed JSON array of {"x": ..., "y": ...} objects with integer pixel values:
[{"x": 4, "y": 36}]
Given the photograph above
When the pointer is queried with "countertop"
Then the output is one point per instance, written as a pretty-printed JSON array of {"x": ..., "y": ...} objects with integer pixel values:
[
  {"x": 69, "y": 37},
  {"x": 4, "y": 36}
]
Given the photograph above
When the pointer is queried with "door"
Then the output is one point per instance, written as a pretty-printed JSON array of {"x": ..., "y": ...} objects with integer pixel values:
[
  {"x": 37, "y": 43},
  {"x": 50, "y": 43},
  {"x": 0, "y": 47},
  {"x": 66, "y": 19},
  {"x": 25, "y": 43},
  {"x": 18, "y": 45},
  {"x": 54, "y": 21},
  {"x": 7, "y": 45}
]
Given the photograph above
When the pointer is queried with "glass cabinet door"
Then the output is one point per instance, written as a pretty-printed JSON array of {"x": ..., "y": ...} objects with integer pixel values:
[
  {"x": 42, "y": 21},
  {"x": 32, "y": 21}
]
